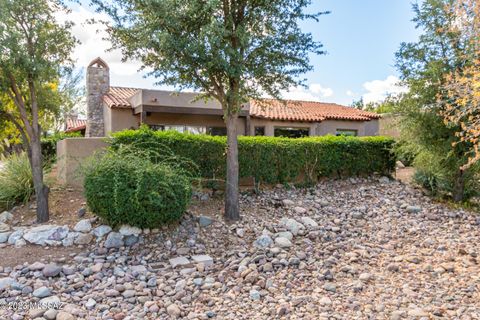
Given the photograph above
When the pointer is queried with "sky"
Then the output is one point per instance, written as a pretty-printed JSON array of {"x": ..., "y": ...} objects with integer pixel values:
[{"x": 360, "y": 37}]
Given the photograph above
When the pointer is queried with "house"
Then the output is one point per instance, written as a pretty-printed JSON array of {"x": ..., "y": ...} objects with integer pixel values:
[
  {"x": 111, "y": 109},
  {"x": 73, "y": 124}
]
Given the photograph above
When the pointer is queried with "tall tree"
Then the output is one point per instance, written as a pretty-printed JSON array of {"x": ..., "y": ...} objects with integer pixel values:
[
  {"x": 33, "y": 50},
  {"x": 424, "y": 66},
  {"x": 231, "y": 50}
]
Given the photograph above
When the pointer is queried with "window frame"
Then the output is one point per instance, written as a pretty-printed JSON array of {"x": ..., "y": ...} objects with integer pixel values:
[
  {"x": 338, "y": 132},
  {"x": 305, "y": 129}
]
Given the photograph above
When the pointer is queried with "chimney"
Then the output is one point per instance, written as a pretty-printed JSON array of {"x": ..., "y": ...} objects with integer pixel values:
[{"x": 98, "y": 83}]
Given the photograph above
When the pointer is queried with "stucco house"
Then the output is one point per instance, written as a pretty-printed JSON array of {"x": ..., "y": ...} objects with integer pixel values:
[{"x": 111, "y": 109}]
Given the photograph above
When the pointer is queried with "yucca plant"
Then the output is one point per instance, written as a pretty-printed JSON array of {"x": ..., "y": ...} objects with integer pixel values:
[{"x": 16, "y": 182}]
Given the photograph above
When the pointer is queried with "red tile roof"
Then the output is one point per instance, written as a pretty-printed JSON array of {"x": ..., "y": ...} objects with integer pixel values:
[
  {"x": 75, "y": 125},
  {"x": 117, "y": 97},
  {"x": 288, "y": 110},
  {"x": 308, "y": 111}
]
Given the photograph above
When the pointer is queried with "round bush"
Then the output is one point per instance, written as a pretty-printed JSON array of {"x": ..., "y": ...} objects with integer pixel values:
[{"x": 130, "y": 189}]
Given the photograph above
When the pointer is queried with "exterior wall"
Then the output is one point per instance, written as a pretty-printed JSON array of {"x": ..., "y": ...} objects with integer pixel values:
[
  {"x": 192, "y": 120},
  {"x": 364, "y": 128},
  {"x": 119, "y": 119},
  {"x": 270, "y": 126},
  {"x": 98, "y": 83},
  {"x": 71, "y": 153}
]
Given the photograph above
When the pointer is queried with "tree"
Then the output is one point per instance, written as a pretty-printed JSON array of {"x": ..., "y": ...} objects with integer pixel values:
[
  {"x": 231, "y": 50},
  {"x": 461, "y": 91},
  {"x": 33, "y": 49},
  {"x": 423, "y": 66}
]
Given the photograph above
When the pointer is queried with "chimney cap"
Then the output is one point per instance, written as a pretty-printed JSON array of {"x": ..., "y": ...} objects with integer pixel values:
[{"x": 98, "y": 63}]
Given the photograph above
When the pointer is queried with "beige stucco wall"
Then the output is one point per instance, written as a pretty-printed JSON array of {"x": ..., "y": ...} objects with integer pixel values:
[
  {"x": 270, "y": 126},
  {"x": 119, "y": 119},
  {"x": 71, "y": 153},
  {"x": 389, "y": 126}
]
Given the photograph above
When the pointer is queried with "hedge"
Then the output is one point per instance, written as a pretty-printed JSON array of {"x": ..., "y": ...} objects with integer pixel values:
[
  {"x": 272, "y": 160},
  {"x": 49, "y": 144}
]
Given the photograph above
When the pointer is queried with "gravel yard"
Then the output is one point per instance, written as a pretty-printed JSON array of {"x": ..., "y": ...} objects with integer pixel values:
[{"x": 348, "y": 249}]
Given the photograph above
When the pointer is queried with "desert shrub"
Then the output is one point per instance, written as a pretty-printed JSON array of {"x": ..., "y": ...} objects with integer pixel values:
[
  {"x": 268, "y": 159},
  {"x": 16, "y": 182},
  {"x": 126, "y": 187}
]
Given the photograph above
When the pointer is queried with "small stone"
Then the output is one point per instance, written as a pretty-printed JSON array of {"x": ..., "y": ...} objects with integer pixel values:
[
  {"x": 101, "y": 231},
  {"x": 90, "y": 304},
  {"x": 309, "y": 222},
  {"x": 384, "y": 180},
  {"x": 4, "y": 227},
  {"x": 83, "y": 226},
  {"x": 174, "y": 311},
  {"x": 417, "y": 312},
  {"x": 325, "y": 301},
  {"x": 83, "y": 238},
  {"x": 42, "y": 292},
  {"x": 179, "y": 262},
  {"x": 50, "y": 314},
  {"x": 205, "y": 259},
  {"x": 204, "y": 221},
  {"x": 16, "y": 235},
  {"x": 62, "y": 315},
  {"x": 127, "y": 230},
  {"x": 81, "y": 212},
  {"x": 4, "y": 236},
  {"x": 330, "y": 287},
  {"x": 413, "y": 209},
  {"x": 131, "y": 240},
  {"x": 392, "y": 267},
  {"x": 114, "y": 240},
  {"x": 255, "y": 295},
  {"x": 300, "y": 210},
  {"x": 282, "y": 242},
  {"x": 51, "y": 270},
  {"x": 264, "y": 241},
  {"x": 365, "y": 277},
  {"x": 36, "y": 266},
  {"x": 240, "y": 232},
  {"x": 5, "y": 217},
  {"x": 288, "y": 202},
  {"x": 285, "y": 234}
]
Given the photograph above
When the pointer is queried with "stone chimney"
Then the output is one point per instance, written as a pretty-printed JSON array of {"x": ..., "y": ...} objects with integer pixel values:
[{"x": 98, "y": 83}]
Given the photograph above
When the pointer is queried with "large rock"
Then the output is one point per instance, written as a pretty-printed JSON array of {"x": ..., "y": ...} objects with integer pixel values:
[
  {"x": 114, "y": 240},
  {"x": 83, "y": 238},
  {"x": 44, "y": 234},
  {"x": 203, "y": 258},
  {"x": 51, "y": 270},
  {"x": 4, "y": 227},
  {"x": 83, "y": 226},
  {"x": 16, "y": 235},
  {"x": 42, "y": 292},
  {"x": 309, "y": 222},
  {"x": 101, "y": 231},
  {"x": 204, "y": 221},
  {"x": 179, "y": 262},
  {"x": 126, "y": 230},
  {"x": 6, "y": 282},
  {"x": 300, "y": 210},
  {"x": 285, "y": 234},
  {"x": 282, "y": 242},
  {"x": 6, "y": 216},
  {"x": 4, "y": 236}
]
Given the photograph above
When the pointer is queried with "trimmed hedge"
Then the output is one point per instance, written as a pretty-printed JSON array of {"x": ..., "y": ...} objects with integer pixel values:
[
  {"x": 272, "y": 160},
  {"x": 125, "y": 187}
]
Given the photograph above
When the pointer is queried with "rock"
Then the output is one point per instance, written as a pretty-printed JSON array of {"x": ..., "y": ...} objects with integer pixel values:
[
  {"x": 204, "y": 221},
  {"x": 205, "y": 259},
  {"x": 392, "y": 267},
  {"x": 417, "y": 312},
  {"x": 4, "y": 227},
  {"x": 83, "y": 238},
  {"x": 413, "y": 209},
  {"x": 90, "y": 304},
  {"x": 287, "y": 203},
  {"x": 126, "y": 230},
  {"x": 51, "y": 270},
  {"x": 5, "y": 217},
  {"x": 291, "y": 225},
  {"x": 365, "y": 277},
  {"x": 35, "y": 313},
  {"x": 309, "y": 222},
  {"x": 255, "y": 295},
  {"x": 179, "y": 262},
  {"x": 282, "y": 242},
  {"x": 42, "y": 292},
  {"x": 325, "y": 301},
  {"x": 42, "y": 234},
  {"x": 6, "y": 282},
  {"x": 174, "y": 311},
  {"x": 240, "y": 232},
  {"x": 131, "y": 240},
  {"x": 330, "y": 287},
  {"x": 81, "y": 212},
  {"x": 114, "y": 240},
  {"x": 399, "y": 165},
  {"x": 285, "y": 234},
  {"x": 357, "y": 215},
  {"x": 300, "y": 210},
  {"x": 384, "y": 180},
  {"x": 70, "y": 239},
  {"x": 50, "y": 314},
  {"x": 4, "y": 236},
  {"x": 20, "y": 243},
  {"x": 112, "y": 293},
  {"x": 83, "y": 226},
  {"x": 101, "y": 231},
  {"x": 262, "y": 242},
  {"x": 62, "y": 315},
  {"x": 36, "y": 266},
  {"x": 17, "y": 234}
]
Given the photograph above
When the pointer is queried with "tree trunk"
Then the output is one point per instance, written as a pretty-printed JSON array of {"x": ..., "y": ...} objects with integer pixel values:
[
  {"x": 459, "y": 187},
  {"x": 232, "y": 205},
  {"x": 41, "y": 190}
]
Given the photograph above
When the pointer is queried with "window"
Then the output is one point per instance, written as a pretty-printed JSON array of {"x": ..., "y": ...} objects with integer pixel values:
[
  {"x": 259, "y": 131},
  {"x": 179, "y": 128},
  {"x": 291, "y": 132},
  {"x": 217, "y": 131},
  {"x": 347, "y": 132},
  {"x": 156, "y": 127}
]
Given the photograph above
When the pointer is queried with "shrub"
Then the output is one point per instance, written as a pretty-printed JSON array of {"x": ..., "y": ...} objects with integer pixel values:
[
  {"x": 16, "y": 182},
  {"x": 126, "y": 187},
  {"x": 272, "y": 160}
]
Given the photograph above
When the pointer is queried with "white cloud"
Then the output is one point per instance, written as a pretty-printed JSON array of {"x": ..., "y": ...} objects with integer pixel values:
[
  {"x": 314, "y": 92},
  {"x": 378, "y": 90},
  {"x": 93, "y": 43},
  {"x": 350, "y": 93}
]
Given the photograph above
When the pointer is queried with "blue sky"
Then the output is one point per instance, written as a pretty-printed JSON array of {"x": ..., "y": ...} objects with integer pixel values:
[{"x": 361, "y": 38}]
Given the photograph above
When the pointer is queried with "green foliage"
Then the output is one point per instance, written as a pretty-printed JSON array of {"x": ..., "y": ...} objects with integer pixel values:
[
  {"x": 49, "y": 145},
  {"x": 125, "y": 187},
  {"x": 272, "y": 160},
  {"x": 16, "y": 182}
]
